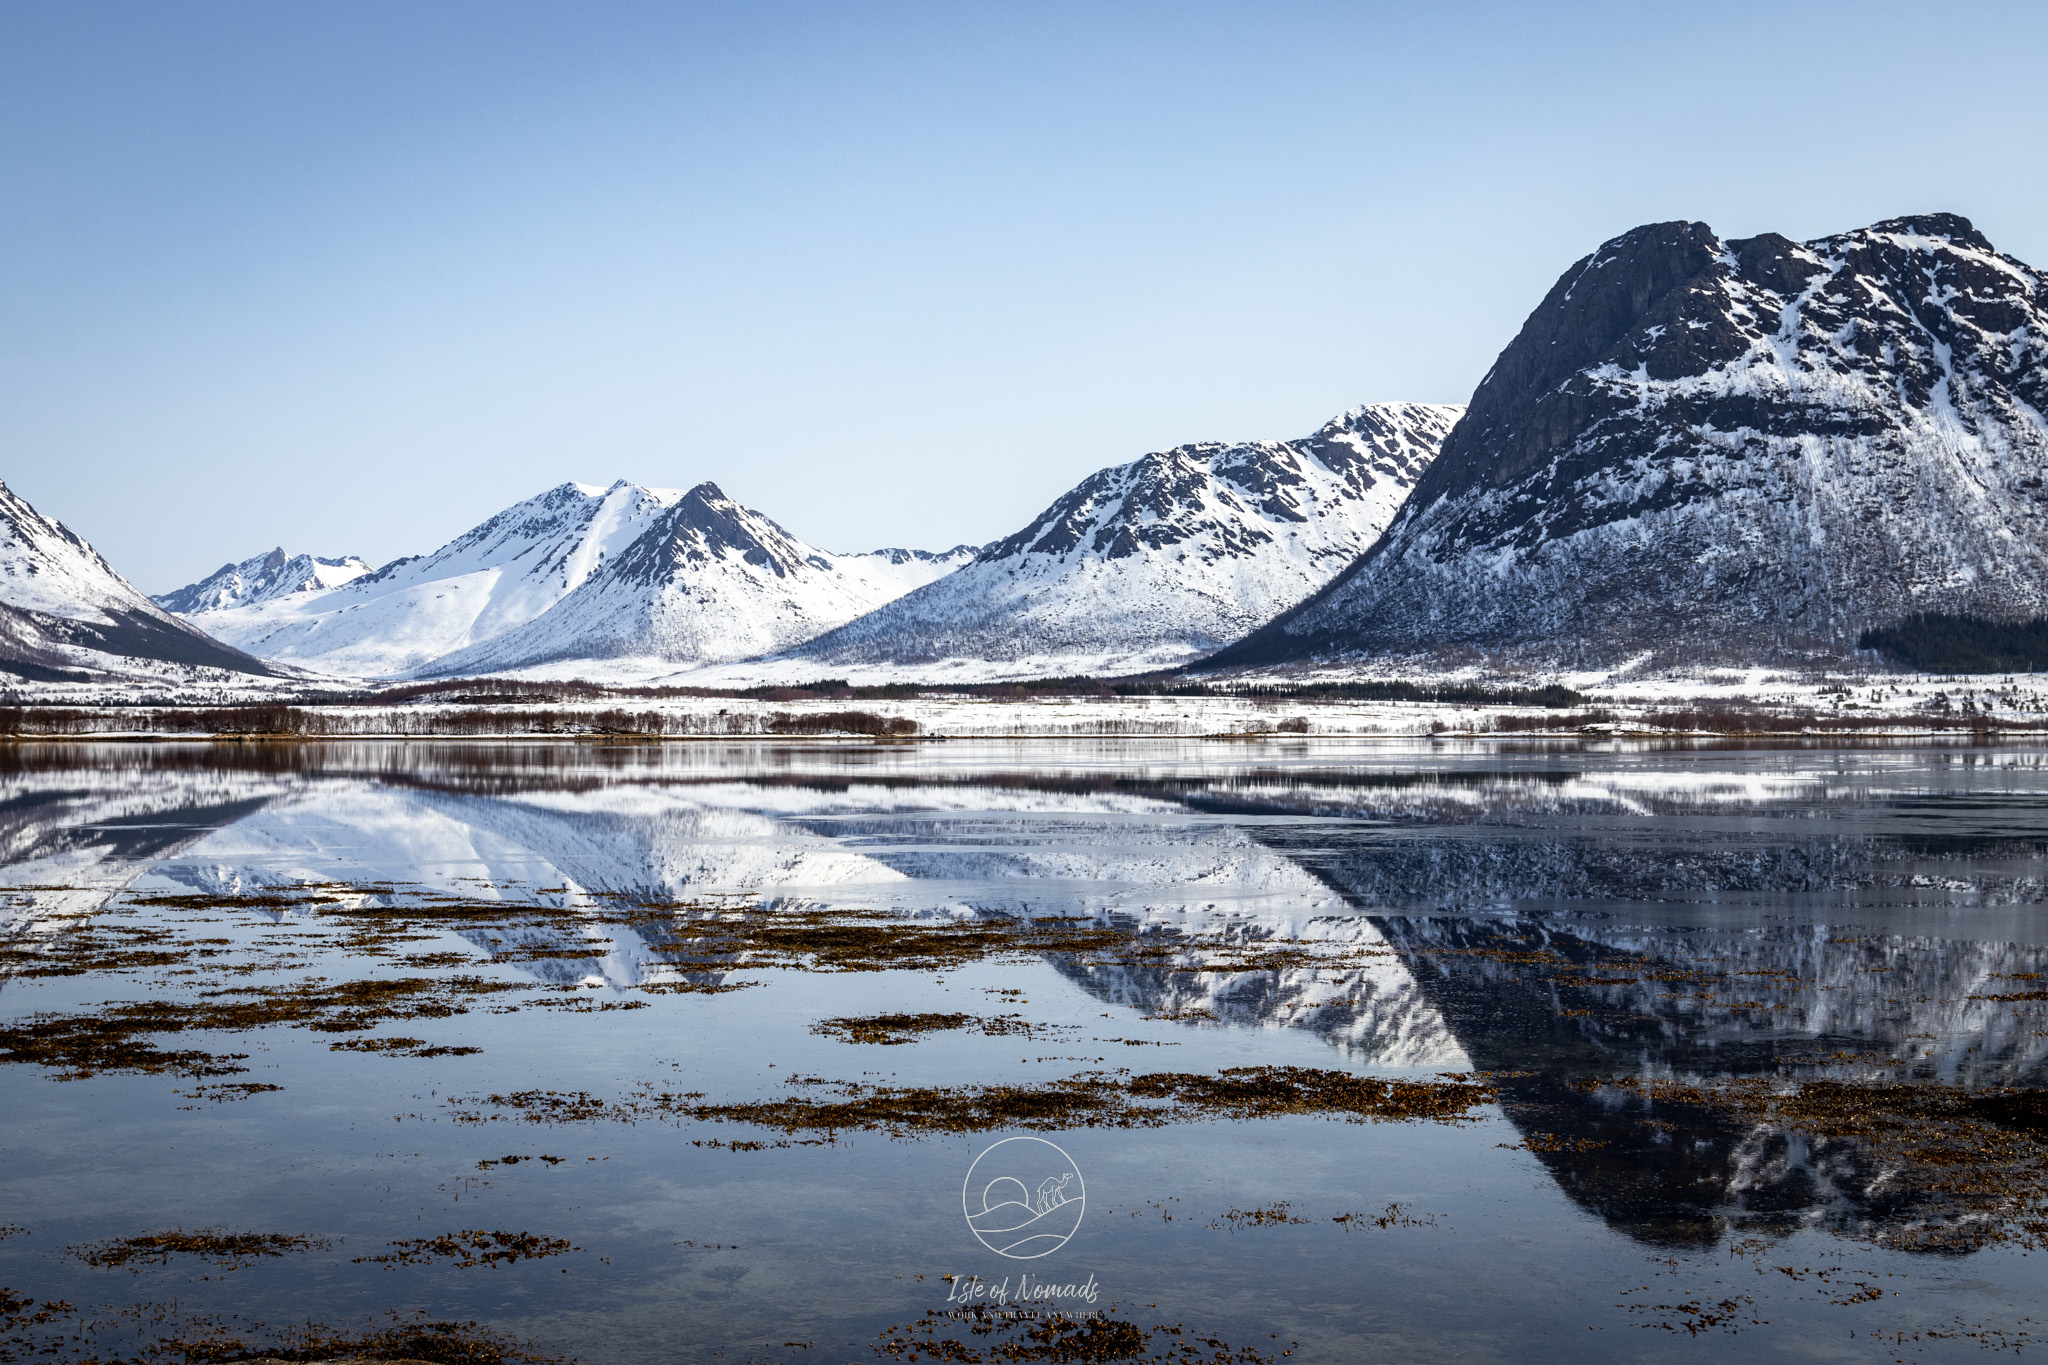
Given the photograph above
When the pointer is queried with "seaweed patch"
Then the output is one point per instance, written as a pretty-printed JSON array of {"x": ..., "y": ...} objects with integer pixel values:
[
  {"x": 895, "y": 1029},
  {"x": 1087, "y": 1100},
  {"x": 228, "y": 1250},
  {"x": 473, "y": 1247},
  {"x": 117, "y": 1037},
  {"x": 1017, "y": 1335},
  {"x": 1274, "y": 1215}
]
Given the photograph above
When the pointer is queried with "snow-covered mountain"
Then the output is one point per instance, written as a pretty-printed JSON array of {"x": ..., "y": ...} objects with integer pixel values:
[
  {"x": 1148, "y": 564},
  {"x": 412, "y": 611},
  {"x": 575, "y": 573},
  {"x": 706, "y": 581},
  {"x": 1701, "y": 449},
  {"x": 262, "y": 579},
  {"x": 64, "y": 612}
]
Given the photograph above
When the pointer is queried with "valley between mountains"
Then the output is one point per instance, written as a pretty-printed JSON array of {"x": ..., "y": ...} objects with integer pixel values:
[{"x": 1702, "y": 464}]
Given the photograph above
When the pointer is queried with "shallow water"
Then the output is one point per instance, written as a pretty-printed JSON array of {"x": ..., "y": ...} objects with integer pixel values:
[{"x": 1635, "y": 950}]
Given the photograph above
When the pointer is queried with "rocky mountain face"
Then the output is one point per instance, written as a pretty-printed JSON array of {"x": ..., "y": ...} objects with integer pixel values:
[
  {"x": 262, "y": 579},
  {"x": 1700, "y": 449},
  {"x": 65, "y": 613},
  {"x": 1151, "y": 563},
  {"x": 706, "y": 581}
]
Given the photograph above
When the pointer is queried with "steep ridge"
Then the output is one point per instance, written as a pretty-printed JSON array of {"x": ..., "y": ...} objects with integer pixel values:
[
  {"x": 1150, "y": 563},
  {"x": 501, "y": 574},
  {"x": 65, "y": 613},
  {"x": 262, "y": 579},
  {"x": 707, "y": 581},
  {"x": 1706, "y": 450}
]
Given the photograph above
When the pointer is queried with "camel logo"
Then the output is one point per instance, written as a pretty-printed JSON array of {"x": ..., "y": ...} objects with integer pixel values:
[{"x": 1024, "y": 1198}]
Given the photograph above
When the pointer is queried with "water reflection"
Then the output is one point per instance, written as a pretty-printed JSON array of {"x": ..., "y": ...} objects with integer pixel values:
[{"x": 1550, "y": 918}]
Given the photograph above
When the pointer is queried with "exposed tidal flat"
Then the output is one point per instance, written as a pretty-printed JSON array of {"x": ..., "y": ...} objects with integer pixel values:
[{"x": 1472, "y": 1049}]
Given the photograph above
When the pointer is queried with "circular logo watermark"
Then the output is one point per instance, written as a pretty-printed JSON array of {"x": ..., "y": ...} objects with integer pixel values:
[{"x": 1024, "y": 1198}]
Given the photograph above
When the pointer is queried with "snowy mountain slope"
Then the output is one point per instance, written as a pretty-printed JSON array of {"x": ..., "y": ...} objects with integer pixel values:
[
  {"x": 1149, "y": 563},
  {"x": 707, "y": 581},
  {"x": 262, "y": 579},
  {"x": 63, "y": 608},
  {"x": 499, "y": 575},
  {"x": 45, "y": 567},
  {"x": 1707, "y": 450}
]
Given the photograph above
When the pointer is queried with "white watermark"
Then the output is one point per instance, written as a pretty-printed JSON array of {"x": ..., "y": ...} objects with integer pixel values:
[
  {"x": 1024, "y": 1198},
  {"x": 974, "y": 1289}
]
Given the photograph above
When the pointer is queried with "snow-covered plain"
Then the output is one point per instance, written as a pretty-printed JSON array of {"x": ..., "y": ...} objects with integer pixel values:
[{"x": 1843, "y": 704}]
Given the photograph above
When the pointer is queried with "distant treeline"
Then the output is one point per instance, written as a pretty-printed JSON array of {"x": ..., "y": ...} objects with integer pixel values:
[
  {"x": 466, "y": 722},
  {"x": 504, "y": 692},
  {"x": 1552, "y": 695},
  {"x": 1936, "y": 643},
  {"x": 509, "y": 707}
]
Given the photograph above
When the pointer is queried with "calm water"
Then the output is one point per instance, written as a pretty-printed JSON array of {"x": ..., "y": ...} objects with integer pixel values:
[{"x": 1578, "y": 927}]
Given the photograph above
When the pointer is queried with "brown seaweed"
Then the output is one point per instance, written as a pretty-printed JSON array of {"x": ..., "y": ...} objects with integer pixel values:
[
  {"x": 1016, "y": 1336},
  {"x": 1088, "y": 1100},
  {"x": 470, "y": 1248},
  {"x": 228, "y": 1250}
]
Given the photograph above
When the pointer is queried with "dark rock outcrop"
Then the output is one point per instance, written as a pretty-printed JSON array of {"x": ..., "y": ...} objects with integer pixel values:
[{"x": 1700, "y": 450}]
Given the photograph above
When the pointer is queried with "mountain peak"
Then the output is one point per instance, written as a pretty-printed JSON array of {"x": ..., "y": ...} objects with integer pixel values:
[
  {"x": 499, "y": 574},
  {"x": 1743, "y": 449},
  {"x": 45, "y": 566},
  {"x": 1951, "y": 227},
  {"x": 262, "y": 578},
  {"x": 62, "y": 604},
  {"x": 706, "y": 580},
  {"x": 704, "y": 525},
  {"x": 1147, "y": 564}
]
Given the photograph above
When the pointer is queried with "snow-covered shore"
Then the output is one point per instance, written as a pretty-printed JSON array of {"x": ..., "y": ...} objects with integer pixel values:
[{"x": 1752, "y": 701}]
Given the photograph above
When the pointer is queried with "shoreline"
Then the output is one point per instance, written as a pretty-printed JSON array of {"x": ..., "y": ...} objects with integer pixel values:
[
  {"x": 1767, "y": 709},
  {"x": 1969, "y": 735}
]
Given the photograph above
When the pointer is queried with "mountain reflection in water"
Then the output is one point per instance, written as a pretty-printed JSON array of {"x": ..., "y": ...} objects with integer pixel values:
[{"x": 1543, "y": 917}]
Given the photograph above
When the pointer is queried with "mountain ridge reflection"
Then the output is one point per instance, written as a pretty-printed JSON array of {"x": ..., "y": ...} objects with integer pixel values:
[{"x": 1538, "y": 923}]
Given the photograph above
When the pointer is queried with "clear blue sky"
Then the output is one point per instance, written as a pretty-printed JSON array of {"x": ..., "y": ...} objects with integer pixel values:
[{"x": 352, "y": 276}]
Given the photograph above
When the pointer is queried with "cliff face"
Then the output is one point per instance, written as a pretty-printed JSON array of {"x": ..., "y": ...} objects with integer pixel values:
[{"x": 1703, "y": 449}]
